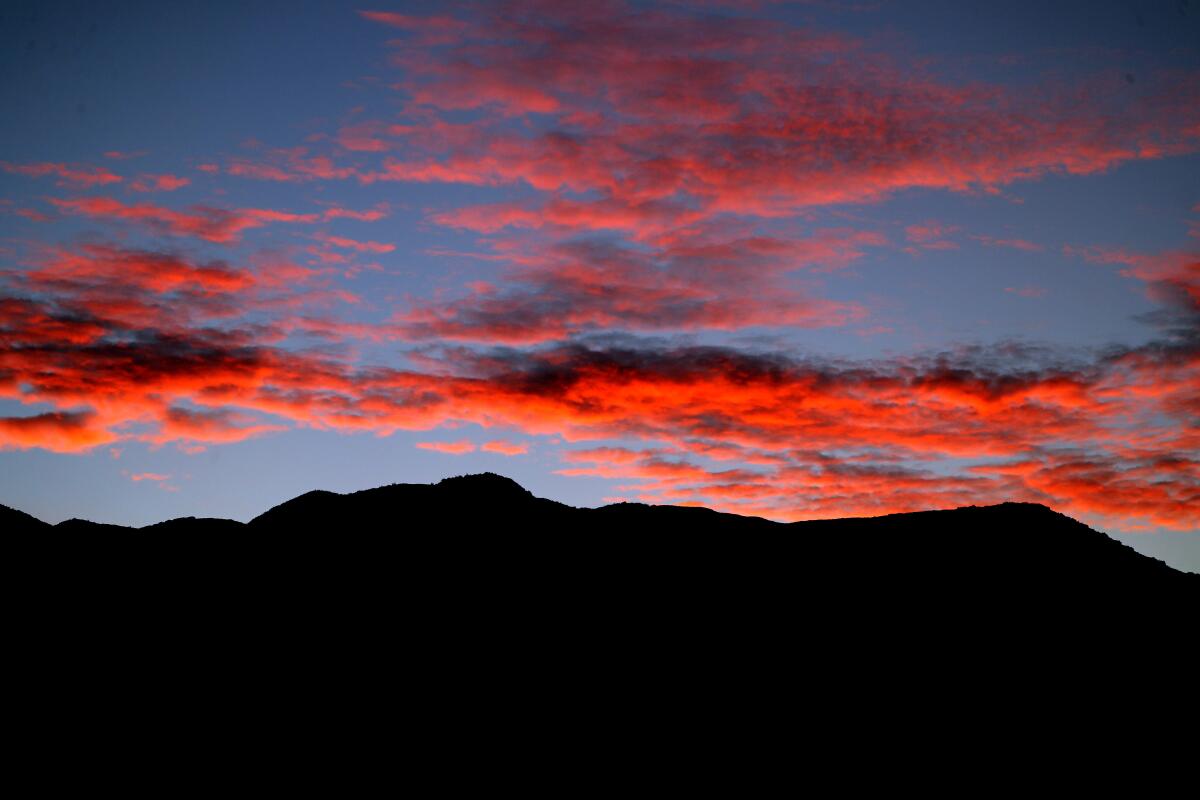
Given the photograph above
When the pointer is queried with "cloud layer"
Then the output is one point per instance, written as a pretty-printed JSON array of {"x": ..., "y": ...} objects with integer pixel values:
[{"x": 641, "y": 180}]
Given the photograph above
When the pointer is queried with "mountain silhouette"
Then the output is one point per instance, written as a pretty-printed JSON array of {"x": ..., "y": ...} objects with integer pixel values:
[
  {"x": 492, "y": 524},
  {"x": 473, "y": 600}
]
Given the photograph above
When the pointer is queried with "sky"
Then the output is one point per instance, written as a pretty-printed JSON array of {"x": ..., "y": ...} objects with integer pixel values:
[{"x": 797, "y": 260}]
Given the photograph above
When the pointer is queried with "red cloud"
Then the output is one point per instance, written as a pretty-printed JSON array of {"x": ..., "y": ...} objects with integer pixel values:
[
  {"x": 743, "y": 116},
  {"x": 100, "y": 289},
  {"x": 693, "y": 282},
  {"x": 817, "y": 439},
  {"x": 657, "y": 148},
  {"x": 931, "y": 235},
  {"x": 62, "y": 432},
  {"x": 215, "y": 225},
  {"x": 78, "y": 177},
  {"x": 158, "y": 183},
  {"x": 431, "y": 30},
  {"x": 352, "y": 244},
  {"x": 218, "y": 225},
  {"x": 290, "y": 166},
  {"x": 1172, "y": 278},
  {"x": 372, "y": 215},
  {"x": 665, "y": 157}
]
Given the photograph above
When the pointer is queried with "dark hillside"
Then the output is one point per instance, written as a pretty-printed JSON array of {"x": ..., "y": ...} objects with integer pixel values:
[{"x": 488, "y": 531}]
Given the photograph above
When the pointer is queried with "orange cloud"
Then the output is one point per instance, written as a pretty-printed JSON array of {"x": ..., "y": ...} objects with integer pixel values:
[
  {"x": 451, "y": 448},
  {"x": 57, "y": 431},
  {"x": 805, "y": 439},
  {"x": 148, "y": 476},
  {"x": 504, "y": 448}
]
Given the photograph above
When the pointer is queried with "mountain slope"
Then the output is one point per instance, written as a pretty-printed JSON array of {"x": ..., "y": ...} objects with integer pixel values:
[
  {"x": 1012, "y": 538},
  {"x": 476, "y": 582},
  {"x": 483, "y": 520}
]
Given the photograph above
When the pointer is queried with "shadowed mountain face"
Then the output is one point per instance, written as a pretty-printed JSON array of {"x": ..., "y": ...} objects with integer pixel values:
[
  {"x": 491, "y": 525},
  {"x": 471, "y": 598}
]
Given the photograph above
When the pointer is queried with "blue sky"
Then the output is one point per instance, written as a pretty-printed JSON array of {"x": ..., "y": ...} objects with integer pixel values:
[{"x": 789, "y": 259}]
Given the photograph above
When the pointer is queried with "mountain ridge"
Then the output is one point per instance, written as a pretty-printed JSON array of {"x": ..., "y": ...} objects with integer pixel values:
[{"x": 1018, "y": 538}]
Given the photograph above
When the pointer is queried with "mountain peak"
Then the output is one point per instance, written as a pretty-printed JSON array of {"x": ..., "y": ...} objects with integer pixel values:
[{"x": 487, "y": 482}]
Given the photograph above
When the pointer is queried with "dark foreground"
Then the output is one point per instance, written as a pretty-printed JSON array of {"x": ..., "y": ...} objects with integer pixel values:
[{"x": 468, "y": 624}]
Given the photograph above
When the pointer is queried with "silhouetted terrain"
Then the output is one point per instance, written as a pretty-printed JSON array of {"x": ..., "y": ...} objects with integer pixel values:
[
  {"x": 473, "y": 605},
  {"x": 490, "y": 525}
]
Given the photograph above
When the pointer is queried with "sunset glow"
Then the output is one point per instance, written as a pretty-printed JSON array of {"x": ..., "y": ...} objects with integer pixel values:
[{"x": 795, "y": 260}]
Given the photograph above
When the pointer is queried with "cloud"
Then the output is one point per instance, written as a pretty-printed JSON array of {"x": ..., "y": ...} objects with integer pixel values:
[
  {"x": 653, "y": 154},
  {"x": 642, "y": 173},
  {"x": 1171, "y": 278},
  {"x": 431, "y": 30},
  {"x": 1105, "y": 438},
  {"x": 75, "y": 177},
  {"x": 353, "y": 244},
  {"x": 450, "y": 448},
  {"x": 137, "y": 477},
  {"x": 221, "y": 226},
  {"x": 694, "y": 282},
  {"x": 371, "y": 215},
  {"x": 640, "y": 106},
  {"x": 57, "y": 431},
  {"x": 158, "y": 183},
  {"x": 932, "y": 235},
  {"x": 363, "y": 138},
  {"x": 212, "y": 224},
  {"x": 504, "y": 448},
  {"x": 293, "y": 165},
  {"x": 1018, "y": 244}
]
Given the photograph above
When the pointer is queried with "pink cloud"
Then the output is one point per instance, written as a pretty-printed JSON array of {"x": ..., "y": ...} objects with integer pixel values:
[
  {"x": 78, "y": 177},
  {"x": 217, "y": 225},
  {"x": 747, "y": 138},
  {"x": 451, "y": 448},
  {"x": 929, "y": 233},
  {"x": 352, "y": 244},
  {"x": 148, "y": 476},
  {"x": 158, "y": 183},
  {"x": 370, "y": 215},
  {"x": 1018, "y": 244}
]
